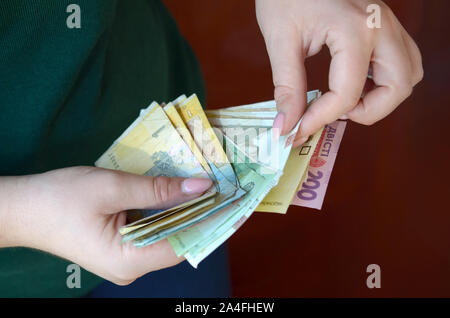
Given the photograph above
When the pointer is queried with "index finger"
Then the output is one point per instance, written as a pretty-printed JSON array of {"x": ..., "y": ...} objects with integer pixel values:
[{"x": 347, "y": 76}]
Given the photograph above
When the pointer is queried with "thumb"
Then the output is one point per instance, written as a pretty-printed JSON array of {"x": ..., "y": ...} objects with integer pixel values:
[
  {"x": 125, "y": 191},
  {"x": 289, "y": 78}
]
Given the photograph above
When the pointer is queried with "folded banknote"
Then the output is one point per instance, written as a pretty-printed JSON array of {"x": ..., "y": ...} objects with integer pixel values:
[{"x": 251, "y": 165}]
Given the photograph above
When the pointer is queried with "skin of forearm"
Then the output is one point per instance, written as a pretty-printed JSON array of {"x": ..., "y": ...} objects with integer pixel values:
[{"x": 14, "y": 199}]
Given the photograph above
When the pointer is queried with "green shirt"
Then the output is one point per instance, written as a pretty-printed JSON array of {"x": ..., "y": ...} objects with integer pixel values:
[{"x": 67, "y": 93}]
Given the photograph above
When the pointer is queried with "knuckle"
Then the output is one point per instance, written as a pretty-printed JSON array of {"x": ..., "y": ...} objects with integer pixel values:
[
  {"x": 123, "y": 281},
  {"x": 387, "y": 15},
  {"x": 366, "y": 121},
  {"x": 404, "y": 89},
  {"x": 282, "y": 93},
  {"x": 123, "y": 278},
  {"x": 161, "y": 187},
  {"x": 359, "y": 17},
  {"x": 123, "y": 273},
  {"x": 351, "y": 100},
  {"x": 418, "y": 74},
  {"x": 359, "y": 23},
  {"x": 364, "y": 117},
  {"x": 313, "y": 113},
  {"x": 348, "y": 101}
]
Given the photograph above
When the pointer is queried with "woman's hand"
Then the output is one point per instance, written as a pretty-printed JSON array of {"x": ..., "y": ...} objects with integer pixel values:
[
  {"x": 76, "y": 213},
  {"x": 296, "y": 29}
]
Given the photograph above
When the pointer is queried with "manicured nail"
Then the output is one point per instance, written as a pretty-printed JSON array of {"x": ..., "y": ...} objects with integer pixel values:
[
  {"x": 195, "y": 185},
  {"x": 278, "y": 123}
]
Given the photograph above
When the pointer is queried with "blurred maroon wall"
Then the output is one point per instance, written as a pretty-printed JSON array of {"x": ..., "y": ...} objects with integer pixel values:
[{"x": 388, "y": 198}]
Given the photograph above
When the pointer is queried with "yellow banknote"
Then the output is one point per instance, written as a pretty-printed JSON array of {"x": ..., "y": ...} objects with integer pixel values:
[
  {"x": 182, "y": 129},
  {"x": 195, "y": 118},
  {"x": 280, "y": 197},
  {"x": 153, "y": 147}
]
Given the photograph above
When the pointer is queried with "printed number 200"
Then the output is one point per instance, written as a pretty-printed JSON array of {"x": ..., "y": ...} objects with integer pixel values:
[{"x": 312, "y": 183}]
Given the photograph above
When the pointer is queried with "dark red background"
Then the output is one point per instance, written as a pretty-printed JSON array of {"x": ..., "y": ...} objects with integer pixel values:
[{"x": 388, "y": 198}]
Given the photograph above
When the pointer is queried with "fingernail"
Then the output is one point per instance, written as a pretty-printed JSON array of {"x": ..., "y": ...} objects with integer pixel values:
[
  {"x": 278, "y": 123},
  {"x": 195, "y": 185},
  {"x": 343, "y": 117}
]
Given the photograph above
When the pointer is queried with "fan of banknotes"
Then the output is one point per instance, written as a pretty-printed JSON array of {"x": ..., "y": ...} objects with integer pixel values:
[{"x": 251, "y": 165}]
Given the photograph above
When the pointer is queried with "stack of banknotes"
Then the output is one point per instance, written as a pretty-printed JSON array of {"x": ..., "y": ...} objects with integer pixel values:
[{"x": 251, "y": 165}]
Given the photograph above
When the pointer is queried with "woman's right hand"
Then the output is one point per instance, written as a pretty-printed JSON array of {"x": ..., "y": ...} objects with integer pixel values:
[{"x": 76, "y": 213}]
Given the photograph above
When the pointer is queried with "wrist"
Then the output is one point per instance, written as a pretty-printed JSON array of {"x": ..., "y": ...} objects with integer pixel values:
[{"x": 14, "y": 199}]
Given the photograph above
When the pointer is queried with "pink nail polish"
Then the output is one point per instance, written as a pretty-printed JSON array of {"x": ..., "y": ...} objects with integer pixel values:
[
  {"x": 278, "y": 123},
  {"x": 195, "y": 185}
]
